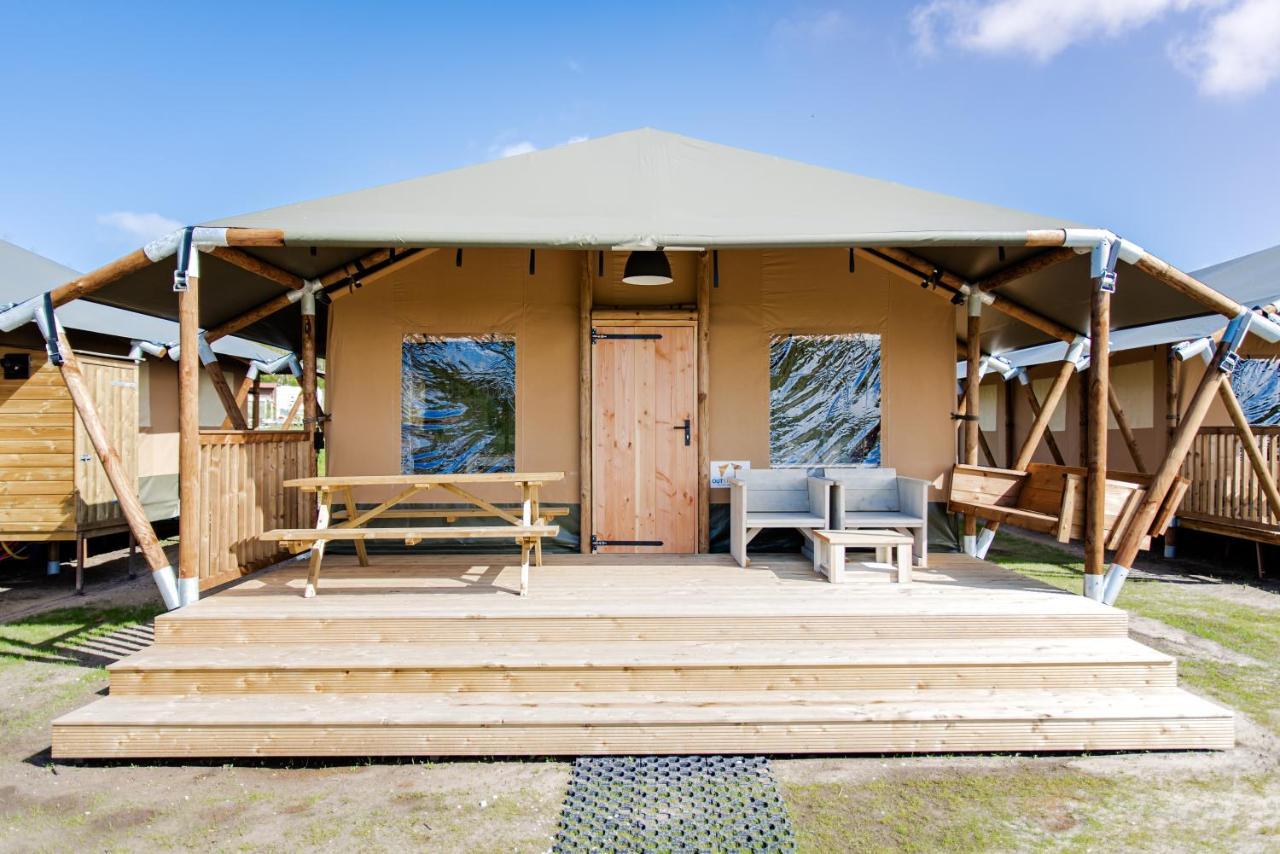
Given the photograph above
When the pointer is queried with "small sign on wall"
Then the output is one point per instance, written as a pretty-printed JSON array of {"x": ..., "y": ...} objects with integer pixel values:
[{"x": 722, "y": 470}]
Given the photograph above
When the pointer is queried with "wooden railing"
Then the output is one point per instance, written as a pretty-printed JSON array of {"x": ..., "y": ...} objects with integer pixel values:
[
  {"x": 242, "y": 494},
  {"x": 1223, "y": 484}
]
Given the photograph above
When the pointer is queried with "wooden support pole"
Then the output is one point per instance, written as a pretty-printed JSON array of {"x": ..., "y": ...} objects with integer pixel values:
[
  {"x": 1095, "y": 534},
  {"x": 1082, "y": 420},
  {"x": 257, "y": 403},
  {"x": 219, "y": 379},
  {"x": 1172, "y": 393},
  {"x": 1250, "y": 442},
  {"x": 704, "y": 416},
  {"x": 973, "y": 380},
  {"x": 189, "y": 434},
  {"x": 948, "y": 285},
  {"x": 140, "y": 260},
  {"x": 389, "y": 259},
  {"x": 1135, "y": 532},
  {"x": 310, "y": 423},
  {"x": 585, "y": 298},
  {"x": 1010, "y": 420},
  {"x": 1164, "y": 272},
  {"x": 255, "y": 265},
  {"x": 122, "y": 483},
  {"x": 1034, "y": 264},
  {"x": 1126, "y": 432},
  {"x": 1033, "y": 440}
]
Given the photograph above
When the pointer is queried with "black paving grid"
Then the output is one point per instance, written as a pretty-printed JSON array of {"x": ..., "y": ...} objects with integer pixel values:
[{"x": 673, "y": 803}]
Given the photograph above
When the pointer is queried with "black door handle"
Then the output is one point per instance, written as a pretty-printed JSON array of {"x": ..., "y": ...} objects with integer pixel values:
[{"x": 687, "y": 427}]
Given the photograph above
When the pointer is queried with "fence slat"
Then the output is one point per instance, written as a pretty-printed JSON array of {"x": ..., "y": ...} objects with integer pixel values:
[{"x": 242, "y": 494}]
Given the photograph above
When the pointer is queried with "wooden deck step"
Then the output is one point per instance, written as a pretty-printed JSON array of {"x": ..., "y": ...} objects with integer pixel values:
[
  {"x": 329, "y": 622},
  {"x": 444, "y": 724},
  {"x": 640, "y": 666}
]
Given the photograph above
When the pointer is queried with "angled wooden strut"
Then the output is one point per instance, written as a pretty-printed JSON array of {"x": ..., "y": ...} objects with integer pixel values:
[
  {"x": 1250, "y": 442},
  {"x": 383, "y": 259},
  {"x": 124, "y": 486},
  {"x": 1034, "y": 264},
  {"x": 1131, "y": 542},
  {"x": 1126, "y": 432},
  {"x": 1039, "y": 428},
  {"x": 1033, "y": 403}
]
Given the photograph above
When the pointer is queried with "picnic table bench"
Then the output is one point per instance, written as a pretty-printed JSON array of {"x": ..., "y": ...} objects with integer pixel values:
[{"x": 527, "y": 526}]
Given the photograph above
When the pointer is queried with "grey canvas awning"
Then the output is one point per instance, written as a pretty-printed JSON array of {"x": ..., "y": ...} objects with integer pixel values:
[{"x": 648, "y": 188}]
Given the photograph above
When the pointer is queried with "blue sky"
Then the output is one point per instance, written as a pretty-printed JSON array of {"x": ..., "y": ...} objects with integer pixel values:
[{"x": 1159, "y": 119}]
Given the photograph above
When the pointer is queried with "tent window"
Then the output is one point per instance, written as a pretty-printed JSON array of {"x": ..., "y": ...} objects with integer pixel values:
[
  {"x": 457, "y": 404},
  {"x": 824, "y": 400},
  {"x": 1256, "y": 383}
]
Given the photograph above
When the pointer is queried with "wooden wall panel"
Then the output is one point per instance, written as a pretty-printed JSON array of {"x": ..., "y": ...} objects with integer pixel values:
[
  {"x": 37, "y": 498},
  {"x": 114, "y": 386}
]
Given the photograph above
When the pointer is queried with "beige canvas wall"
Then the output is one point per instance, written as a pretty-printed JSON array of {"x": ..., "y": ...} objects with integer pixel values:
[
  {"x": 760, "y": 294},
  {"x": 158, "y": 398}
]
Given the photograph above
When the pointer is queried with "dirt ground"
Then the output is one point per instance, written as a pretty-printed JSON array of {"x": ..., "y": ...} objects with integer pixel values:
[{"x": 54, "y": 644}]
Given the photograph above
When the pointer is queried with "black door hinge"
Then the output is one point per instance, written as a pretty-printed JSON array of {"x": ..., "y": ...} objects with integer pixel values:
[
  {"x": 597, "y": 335},
  {"x": 596, "y": 543}
]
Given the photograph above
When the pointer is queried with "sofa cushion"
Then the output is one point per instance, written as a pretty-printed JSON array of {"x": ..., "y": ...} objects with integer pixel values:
[
  {"x": 867, "y": 489},
  {"x": 887, "y": 519},
  {"x": 779, "y": 519}
]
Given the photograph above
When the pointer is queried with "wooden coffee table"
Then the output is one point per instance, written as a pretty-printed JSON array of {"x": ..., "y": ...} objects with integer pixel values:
[{"x": 890, "y": 547}]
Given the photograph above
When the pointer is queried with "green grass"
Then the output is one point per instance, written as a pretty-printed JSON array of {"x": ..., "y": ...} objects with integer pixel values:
[
  {"x": 1027, "y": 808},
  {"x": 43, "y": 637},
  {"x": 956, "y": 812},
  {"x": 1187, "y": 604}
]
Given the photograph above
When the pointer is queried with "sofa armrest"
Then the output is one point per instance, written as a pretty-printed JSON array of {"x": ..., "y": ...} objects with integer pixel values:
[
  {"x": 737, "y": 495},
  {"x": 837, "y": 505},
  {"x": 913, "y": 496},
  {"x": 820, "y": 497}
]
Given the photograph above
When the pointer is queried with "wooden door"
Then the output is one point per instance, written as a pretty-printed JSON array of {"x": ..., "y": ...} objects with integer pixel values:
[
  {"x": 114, "y": 386},
  {"x": 644, "y": 468}
]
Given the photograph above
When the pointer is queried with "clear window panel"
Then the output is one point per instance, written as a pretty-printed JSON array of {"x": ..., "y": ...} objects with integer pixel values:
[
  {"x": 1256, "y": 383},
  {"x": 824, "y": 400},
  {"x": 457, "y": 404}
]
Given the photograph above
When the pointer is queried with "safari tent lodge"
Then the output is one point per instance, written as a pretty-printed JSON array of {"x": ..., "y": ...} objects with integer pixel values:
[{"x": 632, "y": 445}]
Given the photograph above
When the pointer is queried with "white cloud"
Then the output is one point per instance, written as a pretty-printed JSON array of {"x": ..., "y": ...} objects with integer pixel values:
[
  {"x": 1238, "y": 53},
  {"x": 516, "y": 148},
  {"x": 818, "y": 26},
  {"x": 1039, "y": 28},
  {"x": 1234, "y": 50},
  {"x": 571, "y": 140},
  {"x": 144, "y": 227}
]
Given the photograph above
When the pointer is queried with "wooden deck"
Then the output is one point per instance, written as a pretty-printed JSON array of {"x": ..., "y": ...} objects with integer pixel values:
[{"x": 439, "y": 656}]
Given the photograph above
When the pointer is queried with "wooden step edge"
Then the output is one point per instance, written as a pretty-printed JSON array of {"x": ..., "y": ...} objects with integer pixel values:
[{"x": 641, "y": 655}]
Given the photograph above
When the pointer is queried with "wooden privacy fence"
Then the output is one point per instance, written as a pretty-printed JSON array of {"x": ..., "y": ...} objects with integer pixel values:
[
  {"x": 242, "y": 494},
  {"x": 1224, "y": 487}
]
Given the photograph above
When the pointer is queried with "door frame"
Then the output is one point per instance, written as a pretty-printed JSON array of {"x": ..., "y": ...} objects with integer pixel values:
[{"x": 604, "y": 318}]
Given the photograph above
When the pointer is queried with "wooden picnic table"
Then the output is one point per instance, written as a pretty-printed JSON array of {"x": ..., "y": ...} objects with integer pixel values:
[{"x": 527, "y": 526}]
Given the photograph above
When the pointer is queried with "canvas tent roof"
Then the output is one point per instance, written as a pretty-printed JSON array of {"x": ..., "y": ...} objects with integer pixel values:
[
  {"x": 649, "y": 188},
  {"x": 23, "y": 273},
  {"x": 1252, "y": 280}
]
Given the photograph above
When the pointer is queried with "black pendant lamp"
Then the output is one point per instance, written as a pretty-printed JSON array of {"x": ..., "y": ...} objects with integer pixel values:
[{"x": 647, "y": 267}]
